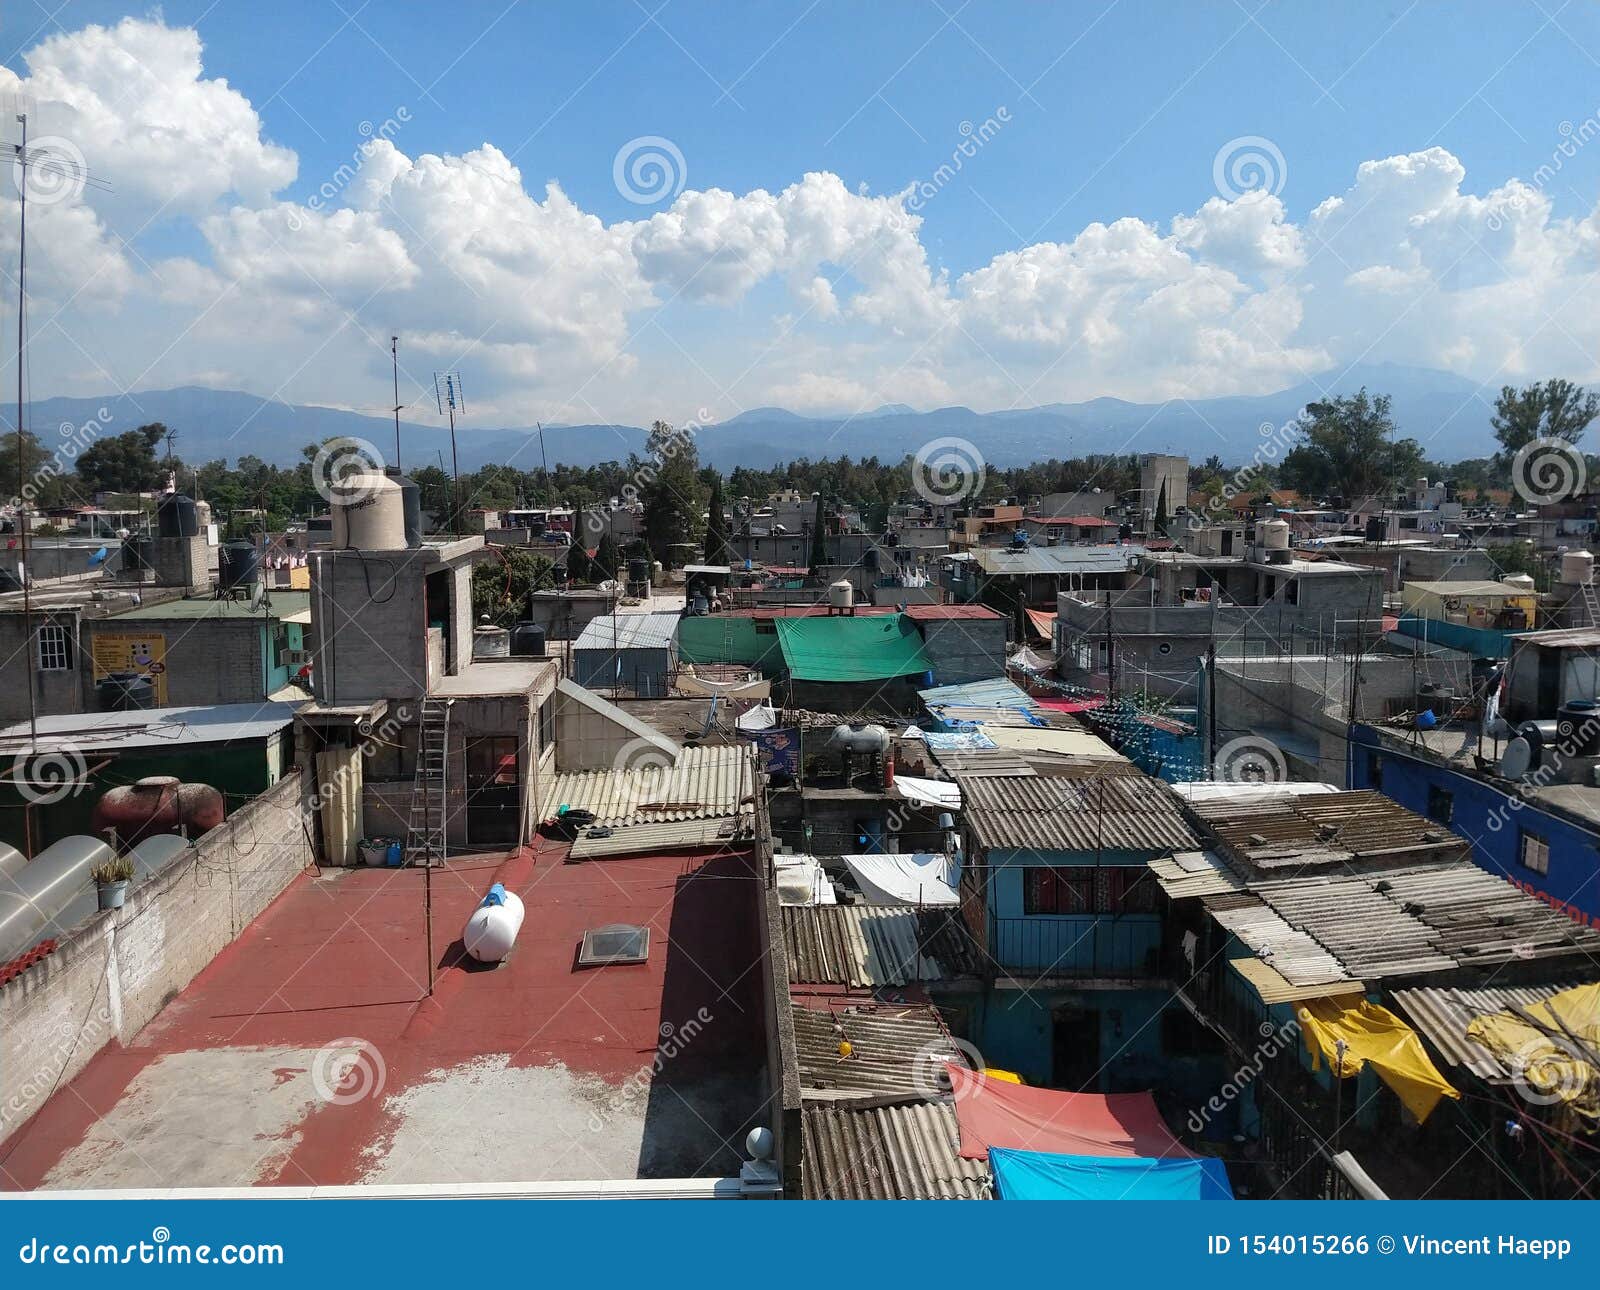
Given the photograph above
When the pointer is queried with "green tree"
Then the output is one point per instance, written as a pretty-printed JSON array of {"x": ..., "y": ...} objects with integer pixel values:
[
  {"x": 671, "y": 492},
  {"x": 819, "y": 537},
  {"x": 124, "y": 463},
  {"x": 1557, "y": 409},
  {"x": 1347, "y": 448},
  {"x": 500, "y": 587},
  {"x": 716, "y": 548}
]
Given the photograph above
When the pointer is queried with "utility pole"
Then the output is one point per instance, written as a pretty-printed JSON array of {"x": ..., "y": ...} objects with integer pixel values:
[
  {"x": 394, "y": 357},
  {"x": 22, "y": 471}
]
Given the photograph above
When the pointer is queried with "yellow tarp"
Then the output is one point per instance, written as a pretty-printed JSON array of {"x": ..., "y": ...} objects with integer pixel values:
[
  {"x": 1008, "y": 1077},
  {"x": 1542, "y": 1056},
  {"x": 1373, "y": 1034}
]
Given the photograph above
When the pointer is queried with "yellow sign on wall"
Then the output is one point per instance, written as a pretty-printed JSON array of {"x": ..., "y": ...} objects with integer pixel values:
[{"x": 145, "y": 655}]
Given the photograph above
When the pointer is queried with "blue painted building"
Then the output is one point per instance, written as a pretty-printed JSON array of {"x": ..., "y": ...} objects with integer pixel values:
[{"x": 1058, "y": 890}]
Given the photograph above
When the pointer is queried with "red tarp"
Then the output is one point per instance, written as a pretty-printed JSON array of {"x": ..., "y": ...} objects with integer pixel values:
[
  {"x": 1072, "y": 705},
  {"x": 1043, "y": 623},
  {"x": 993, "y": 1113}
]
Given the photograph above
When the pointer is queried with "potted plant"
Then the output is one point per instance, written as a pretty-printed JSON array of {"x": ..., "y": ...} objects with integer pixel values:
[{"x": 111, "y": 881}]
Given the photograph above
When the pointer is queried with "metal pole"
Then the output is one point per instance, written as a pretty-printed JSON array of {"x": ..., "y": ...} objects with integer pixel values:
[
  {"x": 394, "y": 356},
  {"x": 22, "y": 506}
]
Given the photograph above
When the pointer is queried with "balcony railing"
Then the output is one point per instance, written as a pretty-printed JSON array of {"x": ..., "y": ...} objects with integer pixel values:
[{"x": 1079, "y": 947}]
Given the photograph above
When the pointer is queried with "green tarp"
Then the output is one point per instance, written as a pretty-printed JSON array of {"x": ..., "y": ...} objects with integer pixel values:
[{"x": 839, "y": 648}]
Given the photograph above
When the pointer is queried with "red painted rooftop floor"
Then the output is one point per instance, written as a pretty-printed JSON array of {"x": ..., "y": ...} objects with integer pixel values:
[{"x": 342, "y": 954}]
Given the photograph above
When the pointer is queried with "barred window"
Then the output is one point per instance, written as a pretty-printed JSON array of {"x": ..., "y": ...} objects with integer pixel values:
[{"x": 55, "y": 653}]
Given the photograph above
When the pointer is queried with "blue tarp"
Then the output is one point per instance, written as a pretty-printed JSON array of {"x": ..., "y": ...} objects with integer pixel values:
[{"x": 1036, "y": 1175}]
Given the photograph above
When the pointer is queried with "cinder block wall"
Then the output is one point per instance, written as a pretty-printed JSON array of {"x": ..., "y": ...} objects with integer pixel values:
[{"x": 111, "y": 976}]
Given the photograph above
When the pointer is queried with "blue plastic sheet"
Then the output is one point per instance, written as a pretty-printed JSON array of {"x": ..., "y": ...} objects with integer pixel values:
[{"x": 1037, "y": 1175}]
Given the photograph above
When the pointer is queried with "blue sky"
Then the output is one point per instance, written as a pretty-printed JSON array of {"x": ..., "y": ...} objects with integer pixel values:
[{"x": 1112, "y": 112}]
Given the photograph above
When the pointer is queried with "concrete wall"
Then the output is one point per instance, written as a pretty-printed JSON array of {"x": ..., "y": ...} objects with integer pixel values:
[
  {"x": 110, "y": 978},
  {"x": 965, "y": 649},
  {"x": 216, "y": 660}
]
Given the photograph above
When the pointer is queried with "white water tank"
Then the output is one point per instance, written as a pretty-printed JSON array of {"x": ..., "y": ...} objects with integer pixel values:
[
  {"x": 492, "y": 930},
  {"x": 841, "y": 594},
  {"x": 1518, "y": 581},
  {"x": 368, "y": 513},
  {"x": 1275, "y": 535},
  {"x": 1577, "y": 567}
]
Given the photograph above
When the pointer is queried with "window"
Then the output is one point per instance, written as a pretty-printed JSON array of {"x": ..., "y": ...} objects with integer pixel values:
[
  {"x": 55, "y": 652},
  {"x": 547, "y": 723},
  {"x": 1441, "y": 803},
  {"x": 1535, "y": 853},
  {"x": 1375, "y": 771},
  {"x": 615, "y": 943},
  {"x": 1085, "y": 889}
]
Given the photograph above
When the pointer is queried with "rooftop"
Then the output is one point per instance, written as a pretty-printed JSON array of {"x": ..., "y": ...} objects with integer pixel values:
[
  {"x": 866, "y": 946},
  {"x": 281, "y": 605},
  {"x": 1085, "y": 814},
  {"x": 901, "y": 1151},
  {"x": 151, "y": 728},
  {"x": 654, "y": 630},
  {"x": 534, "y": 1070}
]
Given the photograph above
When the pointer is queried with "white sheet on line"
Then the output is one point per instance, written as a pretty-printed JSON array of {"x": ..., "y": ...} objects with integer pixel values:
[
  {"x": 938, "y": 793},
  {"x": 802, "y": 882},
  {"x": 922, "y": 878}
]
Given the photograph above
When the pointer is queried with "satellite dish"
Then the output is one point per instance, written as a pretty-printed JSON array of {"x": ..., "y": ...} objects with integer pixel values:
[
  {"x": 1516, "y": 759},
  {"x": 260, "y": 600}
]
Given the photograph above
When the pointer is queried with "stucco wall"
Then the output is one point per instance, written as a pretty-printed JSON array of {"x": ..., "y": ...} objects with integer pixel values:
[{"x": 111, "y": 976}]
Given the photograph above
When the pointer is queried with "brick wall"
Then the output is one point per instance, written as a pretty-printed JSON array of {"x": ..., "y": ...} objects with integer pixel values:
[{"x": 111, "y": 976}]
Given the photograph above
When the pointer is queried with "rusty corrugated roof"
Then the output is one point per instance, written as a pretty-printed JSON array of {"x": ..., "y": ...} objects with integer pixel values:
[{"x": 873, "y": 945}]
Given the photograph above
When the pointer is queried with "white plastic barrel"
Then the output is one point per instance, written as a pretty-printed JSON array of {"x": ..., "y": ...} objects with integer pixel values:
[{"x": 492, "y": 930}]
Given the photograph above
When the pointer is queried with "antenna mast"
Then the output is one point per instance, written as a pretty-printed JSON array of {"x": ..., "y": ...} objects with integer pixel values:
[
  {"x": 394, "y": 355},
  {"x": 447, "y": 390}
]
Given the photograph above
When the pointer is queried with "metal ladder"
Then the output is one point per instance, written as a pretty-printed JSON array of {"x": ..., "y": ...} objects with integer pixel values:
[
  {"x": 1591, "y": 601},
  {"x": 425, "y": 832}
]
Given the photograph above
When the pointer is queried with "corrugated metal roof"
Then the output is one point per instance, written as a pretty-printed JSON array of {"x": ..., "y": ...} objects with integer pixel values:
[
  {"x": 674, "y": 835},
  {"x": 995, "y": 692},
  {"x": 873, "y": 945},
  {"x": 1431, "y": 918},
  {"x": 1442, "y": 1014},
  {"x": 1274, "y": 987},
  {"x": 893, "y": 1049},
  {"x": 1055, "y": 559},
  {"x": 1194, "y": 873},
  {"x": 1063, "y": 813},
  {"x": 1293, "y": 954},
  {"x": 981, "y": 761},
  {"x": 611, "y": 632},
  {"x": 909, "y": 1151},
  {"x": 1325, "y": 829},
  {"x": 703, "y": 784}
]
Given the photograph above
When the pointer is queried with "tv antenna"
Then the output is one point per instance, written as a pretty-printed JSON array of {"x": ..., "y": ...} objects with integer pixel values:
[
  {"x": 394, "y": 355},
  {"x": 447, "y": 391}
]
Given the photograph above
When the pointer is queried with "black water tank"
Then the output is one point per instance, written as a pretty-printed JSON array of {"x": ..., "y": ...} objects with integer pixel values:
[
  {"x": 638, "y": 570},
  {"x": 527, "y": 640},
  {"x": 125, "y": 692},
  {"x": 1541, "y": 737},
  {"x": 176, "y": 517},
  {"x": 1578, "y": 728},
  {"x": 237, "y": 563},
  {"x": 410, "y": 505}
]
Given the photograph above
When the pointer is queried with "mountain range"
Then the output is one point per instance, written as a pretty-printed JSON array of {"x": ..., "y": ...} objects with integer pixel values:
[{"x": 1448, "y": 414}]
